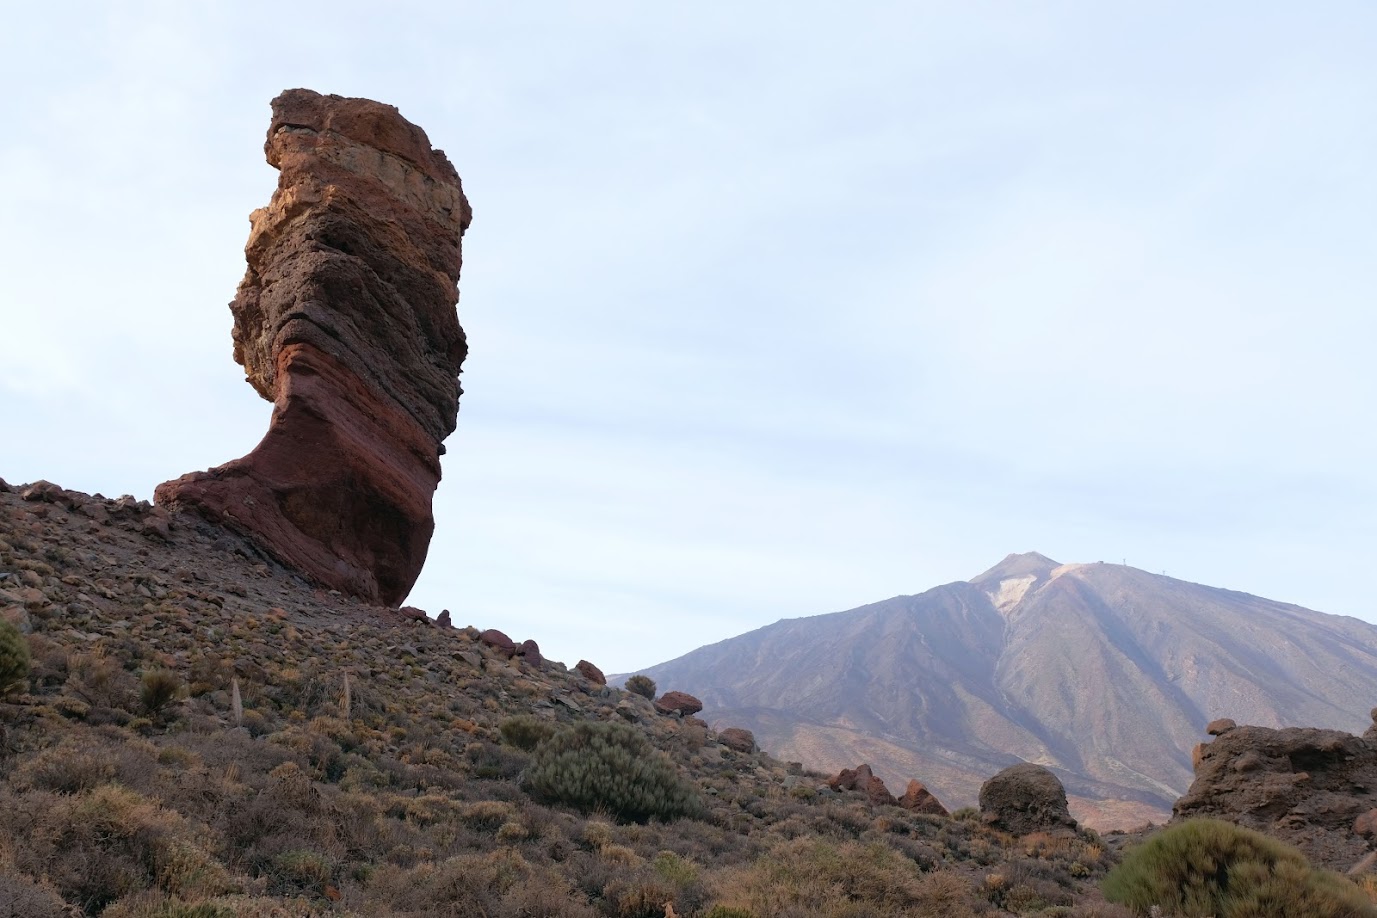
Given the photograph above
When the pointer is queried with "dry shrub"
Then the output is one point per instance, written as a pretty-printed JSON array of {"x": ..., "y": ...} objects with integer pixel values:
[
  {"x": 67, "y": 768},
  {"x": 24, "y": 897},
  {"x": 157, "y": 689},
  {"x": 495, "y": 883},
  {"x": 641, "y": 685},
  {"x": 100, "y": 681},
  {"x": 111, "y": 842},
  {"x": 811, "y": 877}
]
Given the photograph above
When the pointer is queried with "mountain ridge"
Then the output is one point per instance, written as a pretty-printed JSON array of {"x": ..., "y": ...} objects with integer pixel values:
[{"x": 1084, "y": 668}]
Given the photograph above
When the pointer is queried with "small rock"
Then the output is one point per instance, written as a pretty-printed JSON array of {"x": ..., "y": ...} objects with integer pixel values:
[
  {"x": 590, "y": 672},
  {"x": 17, "y": 616},
  {"x": 680, "y": 703},
  {"x": 443, "y": 619},
  {"x": 865, "y": 781},
  {"x": 568, "y": 702},
  {"x": 412, "y": 613},
  {"x": 737, "y": 739},
  {"x": 1220, "y": 727},
  {"x": 1366, "y": 824},
  {"x": 471, "y": 658},
  {"x": 156, "y": 526}
]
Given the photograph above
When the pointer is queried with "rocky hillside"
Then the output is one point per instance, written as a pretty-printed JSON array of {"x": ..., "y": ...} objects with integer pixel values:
[
  {"x": 1104, "y": 673},
  {"x": 203, "y": 734}
]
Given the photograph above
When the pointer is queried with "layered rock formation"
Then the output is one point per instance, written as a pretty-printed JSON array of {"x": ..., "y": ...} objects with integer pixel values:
[
  {"x": 346, "y": 321},
  {"x": 1316, "y": 789}
]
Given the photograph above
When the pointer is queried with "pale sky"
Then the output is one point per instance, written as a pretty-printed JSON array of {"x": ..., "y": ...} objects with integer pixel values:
[{"x": 774, "y": 309}]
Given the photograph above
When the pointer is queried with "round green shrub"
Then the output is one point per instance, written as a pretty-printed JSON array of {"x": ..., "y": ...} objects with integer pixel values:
[
  {"x": 14, "y": 659},
  {"x": 641, "y": 685},
  {"x": 612, "y": 769},
  {"x": 1206, "y": 867},
  {"x": 525, "y": 731}
]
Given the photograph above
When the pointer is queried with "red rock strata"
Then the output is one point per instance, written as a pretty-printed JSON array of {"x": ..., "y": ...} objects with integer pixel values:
[{"x": 346, "y": 321}]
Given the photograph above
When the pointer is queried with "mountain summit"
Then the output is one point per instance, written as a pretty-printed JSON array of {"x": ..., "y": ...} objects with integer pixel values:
[{"x": 1104, "y": 673}]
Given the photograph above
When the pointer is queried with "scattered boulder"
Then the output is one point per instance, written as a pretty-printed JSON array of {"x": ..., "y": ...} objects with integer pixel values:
[
  {"x": 443, "y": 619},
  {"x": 681, "y": 703},
  {"x": 1025, "y": 798},
  {"x": 1220, "y": 727},
  {"x": 737, "y": 739},
  {"x": 346, "y": 321},
  {"x": 920, "y": 800},
  {"x": 863, "y": 780},
  {"x": 498, "y": 641},
  {"x": 1311, "y": 788},
  {"x": 530, "y": 652},
  {"x": 590, "y": 672}
]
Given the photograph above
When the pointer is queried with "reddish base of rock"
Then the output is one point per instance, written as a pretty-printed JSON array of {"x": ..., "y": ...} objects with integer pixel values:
[{"x": 340, "y": 487}]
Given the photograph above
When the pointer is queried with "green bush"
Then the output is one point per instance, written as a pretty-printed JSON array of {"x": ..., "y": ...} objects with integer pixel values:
[
  {"x": 14, "y": 659},
  {"x": 641, "y": 685},
  {"x": 1205, "y": 867},
  {"x": 610, "y": 768},
  {"x": 525, "y": 731}
]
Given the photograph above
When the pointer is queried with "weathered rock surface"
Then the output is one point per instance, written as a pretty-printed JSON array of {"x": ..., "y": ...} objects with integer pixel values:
[
  {"x": 590, "y": 672},
  {"x": 864, "y": 780},
  {"x": 346, "y": 321},
  {"x": 920, "y": 800},
  {"x": 1311, "y": 788},
  {"x": 1025, "y": 798},
  {"x": 678, "y": 703},
  {"x": 1220, "y": 727},
  {"x": 737, "y": 739},
  {"x": 499, "y": 641}
]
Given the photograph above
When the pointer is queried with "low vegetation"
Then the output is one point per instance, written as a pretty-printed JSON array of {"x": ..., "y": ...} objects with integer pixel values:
[
  {"x": 190, "y": 733},
  {"x": 1205, "y": 867}
]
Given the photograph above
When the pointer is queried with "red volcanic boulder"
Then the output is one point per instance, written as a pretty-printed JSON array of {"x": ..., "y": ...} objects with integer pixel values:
[
  {"x": 345, "y": 321},
  {"x": 920, "y": 800},
  {"x": 737, "y": 739},
  {"x": 681, "y": 703},
  {"x": 590, "y": 672},
  {"x": 1221, "y": 726},
  {"x": 499, "y": 641},
  {"x": 530, "y": 652},
  {"x": 863, "y": 780}
]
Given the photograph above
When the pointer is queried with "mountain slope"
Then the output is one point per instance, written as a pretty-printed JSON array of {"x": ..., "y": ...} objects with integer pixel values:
[{"x": 1105, "y": 673}]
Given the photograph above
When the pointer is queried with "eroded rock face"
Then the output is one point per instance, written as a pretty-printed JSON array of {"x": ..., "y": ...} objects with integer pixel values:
[
  {"x": 863, "y": 780},
  {"x": 1025, "y": 798},
  {"x": 1311, "y": 788},
  {"x": 346, "y": 321},
  {"x": 920, "y": 800}
]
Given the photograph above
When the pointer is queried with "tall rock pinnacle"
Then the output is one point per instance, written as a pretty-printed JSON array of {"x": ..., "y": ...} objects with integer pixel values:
[{"x": 346, "y": 321}]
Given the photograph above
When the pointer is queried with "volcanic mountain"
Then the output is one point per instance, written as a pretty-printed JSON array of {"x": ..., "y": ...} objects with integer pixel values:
[{"x": 1104, "y": 673}]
